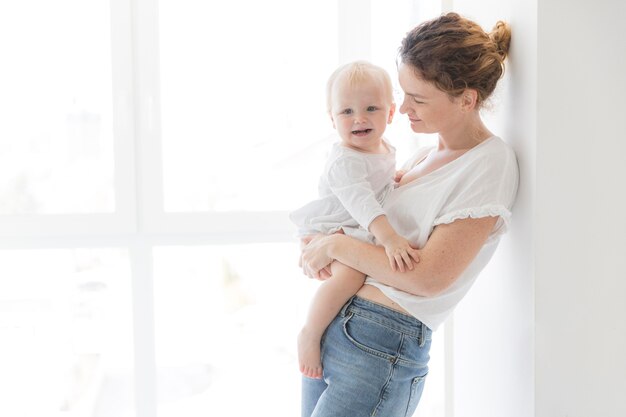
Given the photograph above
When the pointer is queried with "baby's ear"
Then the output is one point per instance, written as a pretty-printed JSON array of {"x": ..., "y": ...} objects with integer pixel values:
[{"x": 392, "y": 111}]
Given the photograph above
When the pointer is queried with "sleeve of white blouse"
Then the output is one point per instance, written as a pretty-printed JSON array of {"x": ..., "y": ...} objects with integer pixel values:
[
  {"x": 486, "y": 187},
  {"x": 348, "y": 180}
]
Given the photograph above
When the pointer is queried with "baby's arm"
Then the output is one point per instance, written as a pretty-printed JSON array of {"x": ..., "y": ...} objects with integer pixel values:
[
  {"x": 397, "y": 248},
  {"x": 348, "y": 180}
]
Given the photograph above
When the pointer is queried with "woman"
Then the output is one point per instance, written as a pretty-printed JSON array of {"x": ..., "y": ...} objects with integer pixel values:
[{"x": 453, "y": 203}]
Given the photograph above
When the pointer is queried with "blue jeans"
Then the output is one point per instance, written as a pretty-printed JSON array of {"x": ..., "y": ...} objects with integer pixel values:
[{"x": 375, "y": 362}]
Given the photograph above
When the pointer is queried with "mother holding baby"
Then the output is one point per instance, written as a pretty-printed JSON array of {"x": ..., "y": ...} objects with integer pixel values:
[{"x": 452, "y": 204}]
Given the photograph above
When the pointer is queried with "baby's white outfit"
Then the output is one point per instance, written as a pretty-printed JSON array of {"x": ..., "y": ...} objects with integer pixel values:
[
  {"x": 480, "y": 183},
  {"x": 352, "y": 189}
]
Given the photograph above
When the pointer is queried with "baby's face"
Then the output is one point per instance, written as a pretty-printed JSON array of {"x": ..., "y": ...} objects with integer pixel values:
[{"x": 360, "y": 113}]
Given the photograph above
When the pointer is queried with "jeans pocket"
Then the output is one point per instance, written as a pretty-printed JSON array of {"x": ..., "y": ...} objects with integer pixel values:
[
  {"x": 371, "y": 337},
  {"x": 417, "y": 387}
]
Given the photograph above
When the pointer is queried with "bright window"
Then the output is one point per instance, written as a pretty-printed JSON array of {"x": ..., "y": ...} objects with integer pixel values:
[
  {"x": 149, "y": 154},
  {"x": 225, "y": 325},
  {"x": 56, "y": 135},
  {"x": 66, "y": 333},
  {"x": 242, "y": 101}
]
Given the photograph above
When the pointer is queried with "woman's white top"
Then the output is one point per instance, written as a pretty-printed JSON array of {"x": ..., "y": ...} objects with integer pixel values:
[
  {"x": 480, "y": 183},
  {"x": 351, "y": 190}
]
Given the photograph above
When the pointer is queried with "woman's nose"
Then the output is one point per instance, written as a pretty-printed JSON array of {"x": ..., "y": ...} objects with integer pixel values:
[{"x": 403, "y": 107}]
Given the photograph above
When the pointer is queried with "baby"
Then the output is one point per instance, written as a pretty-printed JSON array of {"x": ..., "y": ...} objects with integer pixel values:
[{"x": 359, "y": 173}]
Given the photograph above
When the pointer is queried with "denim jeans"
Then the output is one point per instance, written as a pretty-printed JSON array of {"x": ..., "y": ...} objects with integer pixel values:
[{"x": 375, "y": 362}]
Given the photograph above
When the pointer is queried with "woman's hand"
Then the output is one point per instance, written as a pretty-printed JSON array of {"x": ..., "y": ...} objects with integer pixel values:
[{"x": 314, "y": 256}]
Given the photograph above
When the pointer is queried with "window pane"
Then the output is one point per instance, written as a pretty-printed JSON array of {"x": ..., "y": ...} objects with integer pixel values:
[
  {"x": 226, "y": 320},
  {"x": 56, "y": 142},
  {"x": 243, "y": 101},
  {"x": 66, "y": 333}
]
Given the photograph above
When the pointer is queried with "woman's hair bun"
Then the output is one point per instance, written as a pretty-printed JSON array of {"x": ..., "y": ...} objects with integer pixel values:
[{"x": 501, "y": 36}]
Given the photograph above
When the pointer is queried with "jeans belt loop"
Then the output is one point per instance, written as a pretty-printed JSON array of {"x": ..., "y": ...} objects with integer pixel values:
[
  {"x": 345, "y": 306},
  {"x": 423, "y": 335}
]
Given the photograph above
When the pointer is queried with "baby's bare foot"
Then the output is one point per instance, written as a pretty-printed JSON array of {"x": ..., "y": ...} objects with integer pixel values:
[{"x": 309, "y": 354}]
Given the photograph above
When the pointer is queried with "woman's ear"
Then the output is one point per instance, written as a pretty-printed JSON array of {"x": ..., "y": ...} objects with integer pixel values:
[
  {"x": 469, "y": 99},
  {"x": 392, "y": 111}
]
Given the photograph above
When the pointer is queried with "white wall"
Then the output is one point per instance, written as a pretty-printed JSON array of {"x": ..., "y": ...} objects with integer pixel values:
[
  {"x": 543, "y": 333},
  {"x": 493, "y": 327},
  {"x": 580, "y": 232}
]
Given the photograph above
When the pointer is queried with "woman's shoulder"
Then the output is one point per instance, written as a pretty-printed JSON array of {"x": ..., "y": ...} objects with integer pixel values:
[
  {"x": 495, "y": 145},
  {"x": 492, "y": 151},
  {"x": 493, "y": 159}
]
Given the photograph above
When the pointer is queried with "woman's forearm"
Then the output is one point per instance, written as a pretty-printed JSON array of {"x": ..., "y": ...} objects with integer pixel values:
[
  {"x": 372, "y": 261},
  {"x": 449, "y": 251}
]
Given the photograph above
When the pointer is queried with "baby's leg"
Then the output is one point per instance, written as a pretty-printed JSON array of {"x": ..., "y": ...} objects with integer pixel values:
[{"x": 328, "y": 300}]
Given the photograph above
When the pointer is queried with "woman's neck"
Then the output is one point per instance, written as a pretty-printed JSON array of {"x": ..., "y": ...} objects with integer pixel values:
[{"x": 464, "y": 136}]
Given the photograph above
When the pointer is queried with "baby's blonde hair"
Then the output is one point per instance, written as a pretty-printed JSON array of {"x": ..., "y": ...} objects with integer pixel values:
[{"x": 356, "y": 72}]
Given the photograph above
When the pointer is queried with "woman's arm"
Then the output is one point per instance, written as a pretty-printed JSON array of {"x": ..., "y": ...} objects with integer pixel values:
[{"x": 449, "y": 250}]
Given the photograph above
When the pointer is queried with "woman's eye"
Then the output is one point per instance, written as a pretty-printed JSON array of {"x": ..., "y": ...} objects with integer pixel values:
[{"x": 418, "y": 101}]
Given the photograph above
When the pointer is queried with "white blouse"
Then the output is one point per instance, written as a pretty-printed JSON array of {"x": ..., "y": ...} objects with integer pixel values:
[
  {"x": 351, "y": 191},
  {"x": 480, "y": 183}
]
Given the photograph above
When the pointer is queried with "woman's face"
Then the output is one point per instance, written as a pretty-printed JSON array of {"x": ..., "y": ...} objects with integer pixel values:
[{"x": 430, "y": 110}]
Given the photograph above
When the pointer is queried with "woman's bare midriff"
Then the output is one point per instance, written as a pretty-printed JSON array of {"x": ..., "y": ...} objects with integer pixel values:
[{"x": 375, "y": 295}]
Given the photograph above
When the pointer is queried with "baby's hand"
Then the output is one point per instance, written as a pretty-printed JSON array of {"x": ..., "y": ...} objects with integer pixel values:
[
  {"x": 399, "y": 174},
  {"x": 400, "y": 253}
]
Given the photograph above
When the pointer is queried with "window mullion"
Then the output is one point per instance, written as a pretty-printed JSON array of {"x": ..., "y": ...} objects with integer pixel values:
[
  {"x": 123, "y": 112},
  {"x": 149, "y": 166},
  {"x": 143, "y": 324}
]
